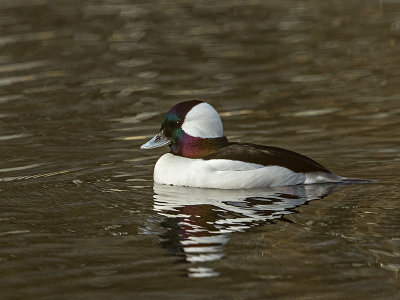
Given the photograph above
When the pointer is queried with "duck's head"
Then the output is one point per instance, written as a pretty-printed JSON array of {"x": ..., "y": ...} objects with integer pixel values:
[{"x": 191, "y": 129}]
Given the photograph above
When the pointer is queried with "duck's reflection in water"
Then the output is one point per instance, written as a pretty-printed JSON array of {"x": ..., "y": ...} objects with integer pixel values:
[{"x": 198, "y": 222}]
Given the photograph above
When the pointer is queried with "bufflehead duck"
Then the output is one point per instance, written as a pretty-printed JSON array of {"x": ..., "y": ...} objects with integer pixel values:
[{"x": 201, "y": 156}]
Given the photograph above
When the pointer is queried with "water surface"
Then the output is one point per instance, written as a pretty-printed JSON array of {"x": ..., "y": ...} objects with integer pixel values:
[{"x": 84, "y": 83}]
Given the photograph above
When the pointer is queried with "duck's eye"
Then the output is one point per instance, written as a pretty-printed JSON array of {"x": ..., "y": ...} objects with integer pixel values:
[{"x": 174, "y": 124}]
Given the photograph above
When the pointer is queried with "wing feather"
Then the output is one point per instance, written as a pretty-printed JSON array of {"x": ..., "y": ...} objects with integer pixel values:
[{"x": 268, "y": 156}]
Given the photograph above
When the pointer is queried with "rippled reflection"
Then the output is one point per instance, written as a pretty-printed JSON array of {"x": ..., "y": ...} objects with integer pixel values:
[{"x": 198, "y": 222}]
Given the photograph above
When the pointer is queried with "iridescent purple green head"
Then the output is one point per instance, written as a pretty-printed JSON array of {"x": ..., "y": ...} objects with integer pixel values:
[{"x": 192, "y": 129}]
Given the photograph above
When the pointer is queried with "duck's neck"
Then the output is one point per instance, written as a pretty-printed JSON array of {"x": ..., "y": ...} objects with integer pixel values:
[{"x": 196, "y": 147}]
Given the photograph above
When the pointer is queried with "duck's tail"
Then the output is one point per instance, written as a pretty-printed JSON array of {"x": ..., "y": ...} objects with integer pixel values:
[
  {"x": 322, "y": 177},
  {"x": 348, "y": 180}
]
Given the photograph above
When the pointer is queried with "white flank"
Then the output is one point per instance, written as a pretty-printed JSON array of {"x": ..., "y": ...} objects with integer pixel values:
[
  {"x": 203, "y": 121},
  {"x": 221, "y": 173}
]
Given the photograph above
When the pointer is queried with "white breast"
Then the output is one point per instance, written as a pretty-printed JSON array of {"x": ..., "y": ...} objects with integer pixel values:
[{"x": 221, "y": 173}]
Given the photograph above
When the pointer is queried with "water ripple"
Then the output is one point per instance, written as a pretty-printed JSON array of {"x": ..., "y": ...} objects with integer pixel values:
[
  {"x": 13, "y": 232},
  {"x": 13, "y": 136},
  {"x": 23, "y": 78},
  {"x": 24, "y": 66},
  {"x": 40, "y": 175},
  {"x": 19, "y": 168},
  {"x": 32, "y": 36}
]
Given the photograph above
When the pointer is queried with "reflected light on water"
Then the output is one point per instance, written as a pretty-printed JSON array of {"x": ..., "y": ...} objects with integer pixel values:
[{"x": 199, "y": 222}]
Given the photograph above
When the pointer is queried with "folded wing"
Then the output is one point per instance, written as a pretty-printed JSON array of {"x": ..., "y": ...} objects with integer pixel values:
[{"x": 268, "y": 156}]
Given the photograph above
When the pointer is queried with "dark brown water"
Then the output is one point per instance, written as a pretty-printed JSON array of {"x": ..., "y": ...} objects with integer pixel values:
[{"x": 84, "y": 83}]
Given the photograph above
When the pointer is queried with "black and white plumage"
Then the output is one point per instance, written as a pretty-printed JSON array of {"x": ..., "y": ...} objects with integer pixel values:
[{"x": 200, "y": 156}]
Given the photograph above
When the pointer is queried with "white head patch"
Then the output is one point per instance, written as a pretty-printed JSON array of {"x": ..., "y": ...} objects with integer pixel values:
[{"x": 203, "y": 121}]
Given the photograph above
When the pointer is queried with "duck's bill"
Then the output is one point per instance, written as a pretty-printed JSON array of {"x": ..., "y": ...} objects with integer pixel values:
[{"x": 158, "y": 141}]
